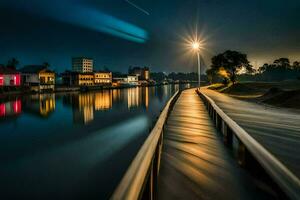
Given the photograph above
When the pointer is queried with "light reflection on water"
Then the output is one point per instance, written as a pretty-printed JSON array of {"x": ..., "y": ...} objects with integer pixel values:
[{"x": 74, "y": 145}]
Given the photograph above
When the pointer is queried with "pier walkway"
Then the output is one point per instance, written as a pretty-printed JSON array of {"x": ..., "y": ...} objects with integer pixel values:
[{"x": 195, "y": 164}]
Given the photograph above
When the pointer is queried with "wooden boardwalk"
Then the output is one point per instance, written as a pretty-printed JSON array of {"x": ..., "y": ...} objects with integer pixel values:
[{"x": 195, "y": 163}]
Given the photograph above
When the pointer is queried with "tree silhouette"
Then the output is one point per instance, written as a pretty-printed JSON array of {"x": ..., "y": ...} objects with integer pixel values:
[
  {"x": 232, "y": 62},
  {"x": 296, "y": 65},
  {"x": 210, "y": 73},
  {"x": 283, "y": 63},
  {"x": 46, "y": 64},
  {"x": 12, "y": 63}
]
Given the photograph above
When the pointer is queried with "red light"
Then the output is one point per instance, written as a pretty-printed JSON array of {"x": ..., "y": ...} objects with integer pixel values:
[
  {"x": 2, "y": 110},
  {"x": 17, "y": 106},
  {"x": 1, "y": 79},
  {"x": 17, "y": 80}
]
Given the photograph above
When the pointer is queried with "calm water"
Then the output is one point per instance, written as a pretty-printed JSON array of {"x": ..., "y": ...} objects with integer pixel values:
[{"x": 74, "y": 145}]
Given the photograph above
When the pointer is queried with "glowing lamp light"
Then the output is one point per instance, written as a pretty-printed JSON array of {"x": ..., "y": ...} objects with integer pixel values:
[{"x": 195, "y": 45}]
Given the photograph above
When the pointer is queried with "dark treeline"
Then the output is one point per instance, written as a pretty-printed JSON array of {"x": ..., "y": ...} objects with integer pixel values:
[
  {"x": 176, "y": 76},
  {"x": 281, "y": 69},
  {"x": 232, "y": 66}
]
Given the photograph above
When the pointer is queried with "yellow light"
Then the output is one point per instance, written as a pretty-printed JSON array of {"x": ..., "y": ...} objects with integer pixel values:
[{"x": 195, "y": 45}]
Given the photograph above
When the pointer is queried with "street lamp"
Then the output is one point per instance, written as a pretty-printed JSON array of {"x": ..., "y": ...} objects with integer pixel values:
[{"x": 196, "y": 47}]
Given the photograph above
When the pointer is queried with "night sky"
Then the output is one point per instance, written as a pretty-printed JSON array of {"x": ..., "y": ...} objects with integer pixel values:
[{"x": 35, "y": 31}]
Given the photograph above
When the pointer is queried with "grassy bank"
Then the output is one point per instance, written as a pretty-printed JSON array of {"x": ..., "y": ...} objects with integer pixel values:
[{"x": 280, "y": 94}]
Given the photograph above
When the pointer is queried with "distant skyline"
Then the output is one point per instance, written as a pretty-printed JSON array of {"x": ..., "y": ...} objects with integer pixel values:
[{"x": 118, "y": 34}]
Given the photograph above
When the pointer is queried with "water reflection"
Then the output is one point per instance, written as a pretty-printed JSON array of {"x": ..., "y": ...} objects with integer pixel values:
[
  {"x": 10, "y": 108},
  {"x": 146, "y": 99},
  {"x": 133, "y": 99},
  {"x": 103, "y": 100},
  {"x": 84, "y": 140},
  {"x": 84, "y": 105},
  {"x": 41, "y": 105},
  {"x": 137, "y": 97},
  {"x": 47, "y": 104},
  {"x": 83, "y": 110}
]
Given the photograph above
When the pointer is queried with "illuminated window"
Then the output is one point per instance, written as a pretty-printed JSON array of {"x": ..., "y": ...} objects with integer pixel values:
[{"x": 1, "y": 80}]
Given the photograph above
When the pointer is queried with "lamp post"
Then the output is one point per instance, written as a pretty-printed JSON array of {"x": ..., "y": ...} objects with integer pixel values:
[{"x": 196, "y": 47}]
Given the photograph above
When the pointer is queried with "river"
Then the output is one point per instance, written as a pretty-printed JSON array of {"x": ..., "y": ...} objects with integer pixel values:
[{"x": 74, "y": 145}]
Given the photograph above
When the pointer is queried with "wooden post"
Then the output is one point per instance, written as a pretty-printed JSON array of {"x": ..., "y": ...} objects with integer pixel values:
[
  {"x": 246, "y": 159},
  {"x": 241, "y": 154},
  {"x": 227, "y": 135},
  {"x": 218, "y": 122},
  {"x": 216, "y": 116},
  {"x": 148, "y": 189}
]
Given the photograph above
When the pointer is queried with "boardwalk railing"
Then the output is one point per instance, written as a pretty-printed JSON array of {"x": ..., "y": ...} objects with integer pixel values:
[
  {"x": 280, "y": 174},
  {"x": 140, "y": 180}
]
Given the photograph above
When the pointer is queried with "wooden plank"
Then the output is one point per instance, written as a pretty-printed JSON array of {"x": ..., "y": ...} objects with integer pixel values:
[
  {"x": 195, "y": 163},
  {"x": 131, "y": 185}
]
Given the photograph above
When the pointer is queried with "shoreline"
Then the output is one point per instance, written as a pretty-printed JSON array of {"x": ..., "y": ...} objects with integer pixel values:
[{"x": 62, "y": 89}]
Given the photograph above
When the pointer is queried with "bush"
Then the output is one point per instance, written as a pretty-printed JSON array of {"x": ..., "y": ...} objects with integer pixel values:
[{"x": 226, "y": 81}]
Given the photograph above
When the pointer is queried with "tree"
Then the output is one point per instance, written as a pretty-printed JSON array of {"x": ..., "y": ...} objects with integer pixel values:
[
  {"x": 12, "y": 63},
  {"x": 263, "y": 68},
  {"x": 210, "y": 73},
  {"x": 46, "y": 64},
  {"x": 283, "y": 63},
  {"x": 233, "y": 62},
  {"x": 158, "y": 76},
  {"x": 296, "y": 65}
]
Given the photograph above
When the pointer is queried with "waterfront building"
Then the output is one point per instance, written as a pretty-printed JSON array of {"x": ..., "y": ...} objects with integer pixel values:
[
  {"x": 38, "y": 78},
  {"x": 102, "y": 78},
  {"x": 82, "y": 64},
  {"x": 128, "y": 80},
  {"x": 143, "y": 73},
  {"x": 77, "y": 79},
  {"x": 132, "y": 79},
  {"x": 9, "y": 77},
  {"x": 69, "y": 78},
  {"x": 85, "y": 79}
]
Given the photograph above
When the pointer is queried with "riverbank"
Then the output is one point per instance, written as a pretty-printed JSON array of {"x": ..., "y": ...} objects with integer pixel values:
[
  {"x": 284, "y": 94},
  {"x": 4, "y": 94}
]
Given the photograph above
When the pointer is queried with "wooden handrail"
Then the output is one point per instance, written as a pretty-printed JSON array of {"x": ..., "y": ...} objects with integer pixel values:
[
  {"x": 132, "y": 183},
  {"x": 288, "y": 182}
]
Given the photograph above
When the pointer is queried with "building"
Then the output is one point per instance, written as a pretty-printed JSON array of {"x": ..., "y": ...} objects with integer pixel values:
[
  {"x": 68, "y": 78},
  {"x": 143, "y": 73},
  {"x": 128, "y": 80},
  {"x": 38, "y": 78},
  {"x": 82, "y": 64},
  {"x": 85, "y": 79},
  {"x": 9, "y": 77},
  {"x": 77, "y": 79},
  {"x": 132, "y": 79},
  {"x": 103, "y": 78}
]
